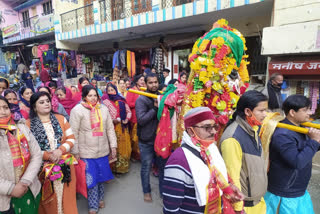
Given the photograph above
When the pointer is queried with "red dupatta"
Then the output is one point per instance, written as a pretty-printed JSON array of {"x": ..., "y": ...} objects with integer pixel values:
[{"x": 68, "y": 102}]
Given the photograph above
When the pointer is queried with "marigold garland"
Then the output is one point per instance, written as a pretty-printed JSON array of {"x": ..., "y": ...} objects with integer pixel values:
[{"x": 219, "y": 74}]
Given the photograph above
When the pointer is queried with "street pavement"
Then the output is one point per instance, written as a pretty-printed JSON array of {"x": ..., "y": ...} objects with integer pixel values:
[
  {"x": 314, "y": 185},
  {"x": 124, "y": 194}
]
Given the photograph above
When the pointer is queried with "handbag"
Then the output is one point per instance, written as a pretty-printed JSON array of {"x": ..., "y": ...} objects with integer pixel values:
[{"x": 81, "y": 186}]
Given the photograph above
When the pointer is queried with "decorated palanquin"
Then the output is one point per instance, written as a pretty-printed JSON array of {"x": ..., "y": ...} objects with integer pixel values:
[
  {"x": 219, "y": 74},
  {"x": 218, "y": 78}
]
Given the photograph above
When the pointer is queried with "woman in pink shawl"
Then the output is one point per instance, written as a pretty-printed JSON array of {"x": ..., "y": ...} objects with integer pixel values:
[
  {"x": 83, "y": 81},
  {"x": 183, "y": 78},
  {"x": 65, "y": 99}
]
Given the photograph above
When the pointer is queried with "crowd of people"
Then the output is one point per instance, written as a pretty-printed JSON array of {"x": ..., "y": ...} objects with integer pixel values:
[{"x": 46, "y": 130}]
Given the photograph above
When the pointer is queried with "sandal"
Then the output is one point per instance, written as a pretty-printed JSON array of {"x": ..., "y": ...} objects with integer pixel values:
[{"x": 101, "y": 204}]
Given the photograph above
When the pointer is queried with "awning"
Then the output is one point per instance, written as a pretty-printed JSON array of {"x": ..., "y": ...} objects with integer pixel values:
[
  {"x": 295, "y": 65},
  {"x": 27, "y": 4}
]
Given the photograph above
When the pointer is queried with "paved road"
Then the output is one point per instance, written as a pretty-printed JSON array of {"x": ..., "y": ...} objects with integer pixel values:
[
  {"x": 314, "y": 185},
  {"x": 124, "y": 195}
]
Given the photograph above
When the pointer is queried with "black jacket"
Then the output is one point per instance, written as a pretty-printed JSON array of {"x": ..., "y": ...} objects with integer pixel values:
[{"x": 147, "y": 120}]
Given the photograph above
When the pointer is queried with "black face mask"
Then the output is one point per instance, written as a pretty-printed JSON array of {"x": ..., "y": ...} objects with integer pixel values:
[{"x": 279, "y": 85}]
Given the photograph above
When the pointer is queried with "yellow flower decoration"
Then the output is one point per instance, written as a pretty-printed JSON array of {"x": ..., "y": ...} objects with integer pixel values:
[{"x": 222, "y": 22}]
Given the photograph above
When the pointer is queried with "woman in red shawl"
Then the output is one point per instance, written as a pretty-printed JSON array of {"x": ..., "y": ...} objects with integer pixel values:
[
  {"x": 120, "y": 114},
  {"x": 44, "y": 75},
  {"x": 83, "y": 81},
  {"x": 65, "y": 98},
  {"x": 131, "y": 100}
]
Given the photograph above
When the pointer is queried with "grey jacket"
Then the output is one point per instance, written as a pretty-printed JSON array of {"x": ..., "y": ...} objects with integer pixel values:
[{"x": 88, "y": 146}]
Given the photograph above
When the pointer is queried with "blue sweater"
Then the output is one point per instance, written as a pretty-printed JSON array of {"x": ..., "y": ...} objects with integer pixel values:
[{"x": 291, "y": 156}]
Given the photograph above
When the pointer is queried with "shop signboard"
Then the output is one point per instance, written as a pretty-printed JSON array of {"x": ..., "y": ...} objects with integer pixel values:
[
  {"x": 10, "y": 30},
  {"x": 295, "y": 67},
  {"x": 44, "y": 24}
]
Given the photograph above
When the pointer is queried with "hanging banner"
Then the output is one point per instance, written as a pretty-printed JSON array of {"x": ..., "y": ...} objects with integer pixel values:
[
  {"x": 3, "y": 69},
  {"x": 10, "y": 30}
]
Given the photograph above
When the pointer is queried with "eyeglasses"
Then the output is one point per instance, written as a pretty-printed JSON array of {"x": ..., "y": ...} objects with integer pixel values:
[{"x": 208, "y": 128}]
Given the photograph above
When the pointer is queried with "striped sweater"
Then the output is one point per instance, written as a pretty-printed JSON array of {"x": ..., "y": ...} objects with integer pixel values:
[{"x": 178, "y": 187}]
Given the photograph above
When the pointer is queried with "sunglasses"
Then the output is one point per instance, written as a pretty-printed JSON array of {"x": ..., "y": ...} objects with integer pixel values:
[{"x": 208, "y": 128}]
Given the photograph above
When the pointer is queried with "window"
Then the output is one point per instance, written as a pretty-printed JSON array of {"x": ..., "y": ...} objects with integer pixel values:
[
  {"x": 141, "y": 6},
  {"x": 25, "y": 19},
  {"x": 47, "y": 8}
]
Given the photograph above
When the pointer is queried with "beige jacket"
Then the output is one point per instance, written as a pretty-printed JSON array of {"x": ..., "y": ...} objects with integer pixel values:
[
  {"x": 88, "y": 146},
  {"x": 7, "y": 174}
]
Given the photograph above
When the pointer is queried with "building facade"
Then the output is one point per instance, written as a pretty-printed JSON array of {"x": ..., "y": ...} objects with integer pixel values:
[
  {"x": 292, "y": 44},
  {"x": 26, "y": 24},
  {"x": 102, "y": 27}
]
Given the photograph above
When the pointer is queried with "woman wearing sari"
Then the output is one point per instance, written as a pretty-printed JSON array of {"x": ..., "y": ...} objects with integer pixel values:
[
  {"x": 122, "y": 88},
  {"x": 83, "y": 81},
  {"x": 131, "y": 100},
  {"x": 27, "y": 78},
  {"x": 183, "y": 78},
  {"x": 12, "y": 98},
  {"x": 4, "y": 84},
  {"x": 56, "y": 139},
  {"x": 20, "y": 161},
  {"x": 93, "y": 128},
  {"x": 24, "y": 94},
  {"x": 65, "y": 98},
  {"x": 120, "y": 114},
  {"x": 56, "y": 106}
]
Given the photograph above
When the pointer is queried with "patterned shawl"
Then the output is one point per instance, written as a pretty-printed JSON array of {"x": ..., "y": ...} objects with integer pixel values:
[
  {"x": 18, "y": 144},
  {"x": 40, "y": 134},
  {"x": 95, "y": 118},
  {"x": 121, "y": 101},
  {"x": 26, "y": 103},
  {"x": 15, "y": 110}
]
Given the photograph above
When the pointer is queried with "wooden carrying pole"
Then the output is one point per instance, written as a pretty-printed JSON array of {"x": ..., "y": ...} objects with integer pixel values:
[
  {"x": 271, "y": 122},
  {"x": 293, "y": 128},
  {"x": 144, "y": 89},
  {"x": 297, "y": 128},
  {"x": 144, "y": 93}
]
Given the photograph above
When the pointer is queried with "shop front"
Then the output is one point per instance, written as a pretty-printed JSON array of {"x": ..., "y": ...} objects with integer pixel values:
[{"x": 301, "y": 75}]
